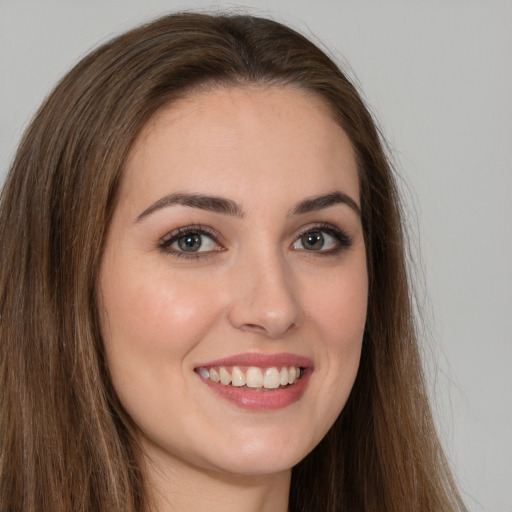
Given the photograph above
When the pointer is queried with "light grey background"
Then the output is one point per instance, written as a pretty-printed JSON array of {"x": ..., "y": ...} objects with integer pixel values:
[{"x": 438, "y": 76}]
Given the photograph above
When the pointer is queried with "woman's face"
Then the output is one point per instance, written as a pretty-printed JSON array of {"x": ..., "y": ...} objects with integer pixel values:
[{"x": 233, "y": 287}]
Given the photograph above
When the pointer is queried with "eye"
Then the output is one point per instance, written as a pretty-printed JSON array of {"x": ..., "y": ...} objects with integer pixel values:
[
  {"x": 323, "y": 239},
  {"x": 315, "y": 241},
  {"x": 190, "y": 241}
]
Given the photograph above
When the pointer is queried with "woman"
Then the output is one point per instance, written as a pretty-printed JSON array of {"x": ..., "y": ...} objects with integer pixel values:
[{"x": 204, "y": 300}]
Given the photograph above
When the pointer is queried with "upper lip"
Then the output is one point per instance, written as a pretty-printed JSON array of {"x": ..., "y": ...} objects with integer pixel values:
[{"x": 261, "y": 360}]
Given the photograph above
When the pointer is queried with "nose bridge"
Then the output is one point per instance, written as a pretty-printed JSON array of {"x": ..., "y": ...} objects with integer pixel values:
[{"x": 265, "y": 298}]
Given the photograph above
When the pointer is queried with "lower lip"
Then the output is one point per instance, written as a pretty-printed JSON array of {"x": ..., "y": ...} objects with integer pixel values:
[{"x": 261, "y": 400}]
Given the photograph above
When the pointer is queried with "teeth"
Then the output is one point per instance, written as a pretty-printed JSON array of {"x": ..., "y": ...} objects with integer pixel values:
[
  {"x": 237, "y": 377},
  {"x": 292, "y": 373},
  {"x": 214, "y": 375},
  {"x": 271, "y": 379},
  {"x": 225, "y": 377},
  {"x": 253, "y": 376}
]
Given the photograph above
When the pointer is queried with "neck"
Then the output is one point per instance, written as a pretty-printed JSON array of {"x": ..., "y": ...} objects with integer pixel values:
[{"x": 193, "y": 489}]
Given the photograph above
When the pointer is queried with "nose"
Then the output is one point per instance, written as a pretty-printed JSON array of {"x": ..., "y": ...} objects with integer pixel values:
[{"x": 265, "y": 298}]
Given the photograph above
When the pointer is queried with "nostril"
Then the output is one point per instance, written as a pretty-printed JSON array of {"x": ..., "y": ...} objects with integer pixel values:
[
  {"x": 252, "y": 328},
  {"x": 270, "y": 330}
]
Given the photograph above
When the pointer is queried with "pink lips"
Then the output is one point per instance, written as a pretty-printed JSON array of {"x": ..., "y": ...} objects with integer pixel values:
[
  {"x": 258, "y": 399},
  {"x": 261, "y": 360}
]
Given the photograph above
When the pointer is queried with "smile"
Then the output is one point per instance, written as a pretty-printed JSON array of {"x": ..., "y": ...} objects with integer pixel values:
[
  {"x": 258, "y": 382},
  {"x": 253, "y": 376}
]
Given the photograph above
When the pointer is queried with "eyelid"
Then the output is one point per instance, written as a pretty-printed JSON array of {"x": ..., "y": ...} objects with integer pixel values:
[
  {"x": 340, "y": 235},
  {"x": 170, "y": 238}
]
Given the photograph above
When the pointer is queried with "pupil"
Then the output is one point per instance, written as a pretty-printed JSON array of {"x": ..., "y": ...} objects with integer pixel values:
[
  {"x": 190, "y": 242},
  {"x": 313, "y": 241}
]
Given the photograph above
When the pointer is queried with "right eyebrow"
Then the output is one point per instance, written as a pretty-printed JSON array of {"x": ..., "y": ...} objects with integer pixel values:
[{"x": 201, "y": 201}]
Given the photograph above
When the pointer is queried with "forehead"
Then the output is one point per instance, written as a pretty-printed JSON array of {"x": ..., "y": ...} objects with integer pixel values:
[{"x": 268, "y": 136}]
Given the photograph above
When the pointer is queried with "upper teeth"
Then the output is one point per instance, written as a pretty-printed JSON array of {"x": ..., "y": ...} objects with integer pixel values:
[{"x": 252, "y": 376}]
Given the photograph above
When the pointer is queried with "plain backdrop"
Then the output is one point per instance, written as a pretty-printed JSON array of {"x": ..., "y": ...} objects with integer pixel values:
[{"x": 438, "y": 77}]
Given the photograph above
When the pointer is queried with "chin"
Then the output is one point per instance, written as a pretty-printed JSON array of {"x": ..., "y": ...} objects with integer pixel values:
[{"x": 263, "y": 456}]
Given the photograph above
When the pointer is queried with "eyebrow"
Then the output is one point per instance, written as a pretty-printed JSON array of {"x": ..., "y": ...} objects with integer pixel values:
[
  {"x": 229, "y": 207},
  {"x": 201, "y": 201},
  {"x": 316, "y": 203}
]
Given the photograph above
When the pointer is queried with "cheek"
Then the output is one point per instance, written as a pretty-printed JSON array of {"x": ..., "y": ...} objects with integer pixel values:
[
  {"x": 339, "y": 308},
  {"x": 155, "y": 313},
  {"x": 150, "y": 324},
  {"x": 339, "y": 314}
]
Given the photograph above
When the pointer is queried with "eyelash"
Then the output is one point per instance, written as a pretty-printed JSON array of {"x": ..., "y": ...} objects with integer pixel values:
[
  {"x": 343, "y": 240},
  {"x": 174, "y": 236}
]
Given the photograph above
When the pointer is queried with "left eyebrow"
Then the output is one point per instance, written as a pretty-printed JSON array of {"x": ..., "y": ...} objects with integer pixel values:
[{"x": 313, "y": 204}]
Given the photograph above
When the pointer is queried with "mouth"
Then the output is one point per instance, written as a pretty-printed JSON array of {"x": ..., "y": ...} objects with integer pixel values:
[{"x": 258, "y": 381}]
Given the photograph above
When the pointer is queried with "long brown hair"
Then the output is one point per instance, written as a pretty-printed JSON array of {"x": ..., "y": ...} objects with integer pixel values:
[{"x": 65, "y": 441}]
